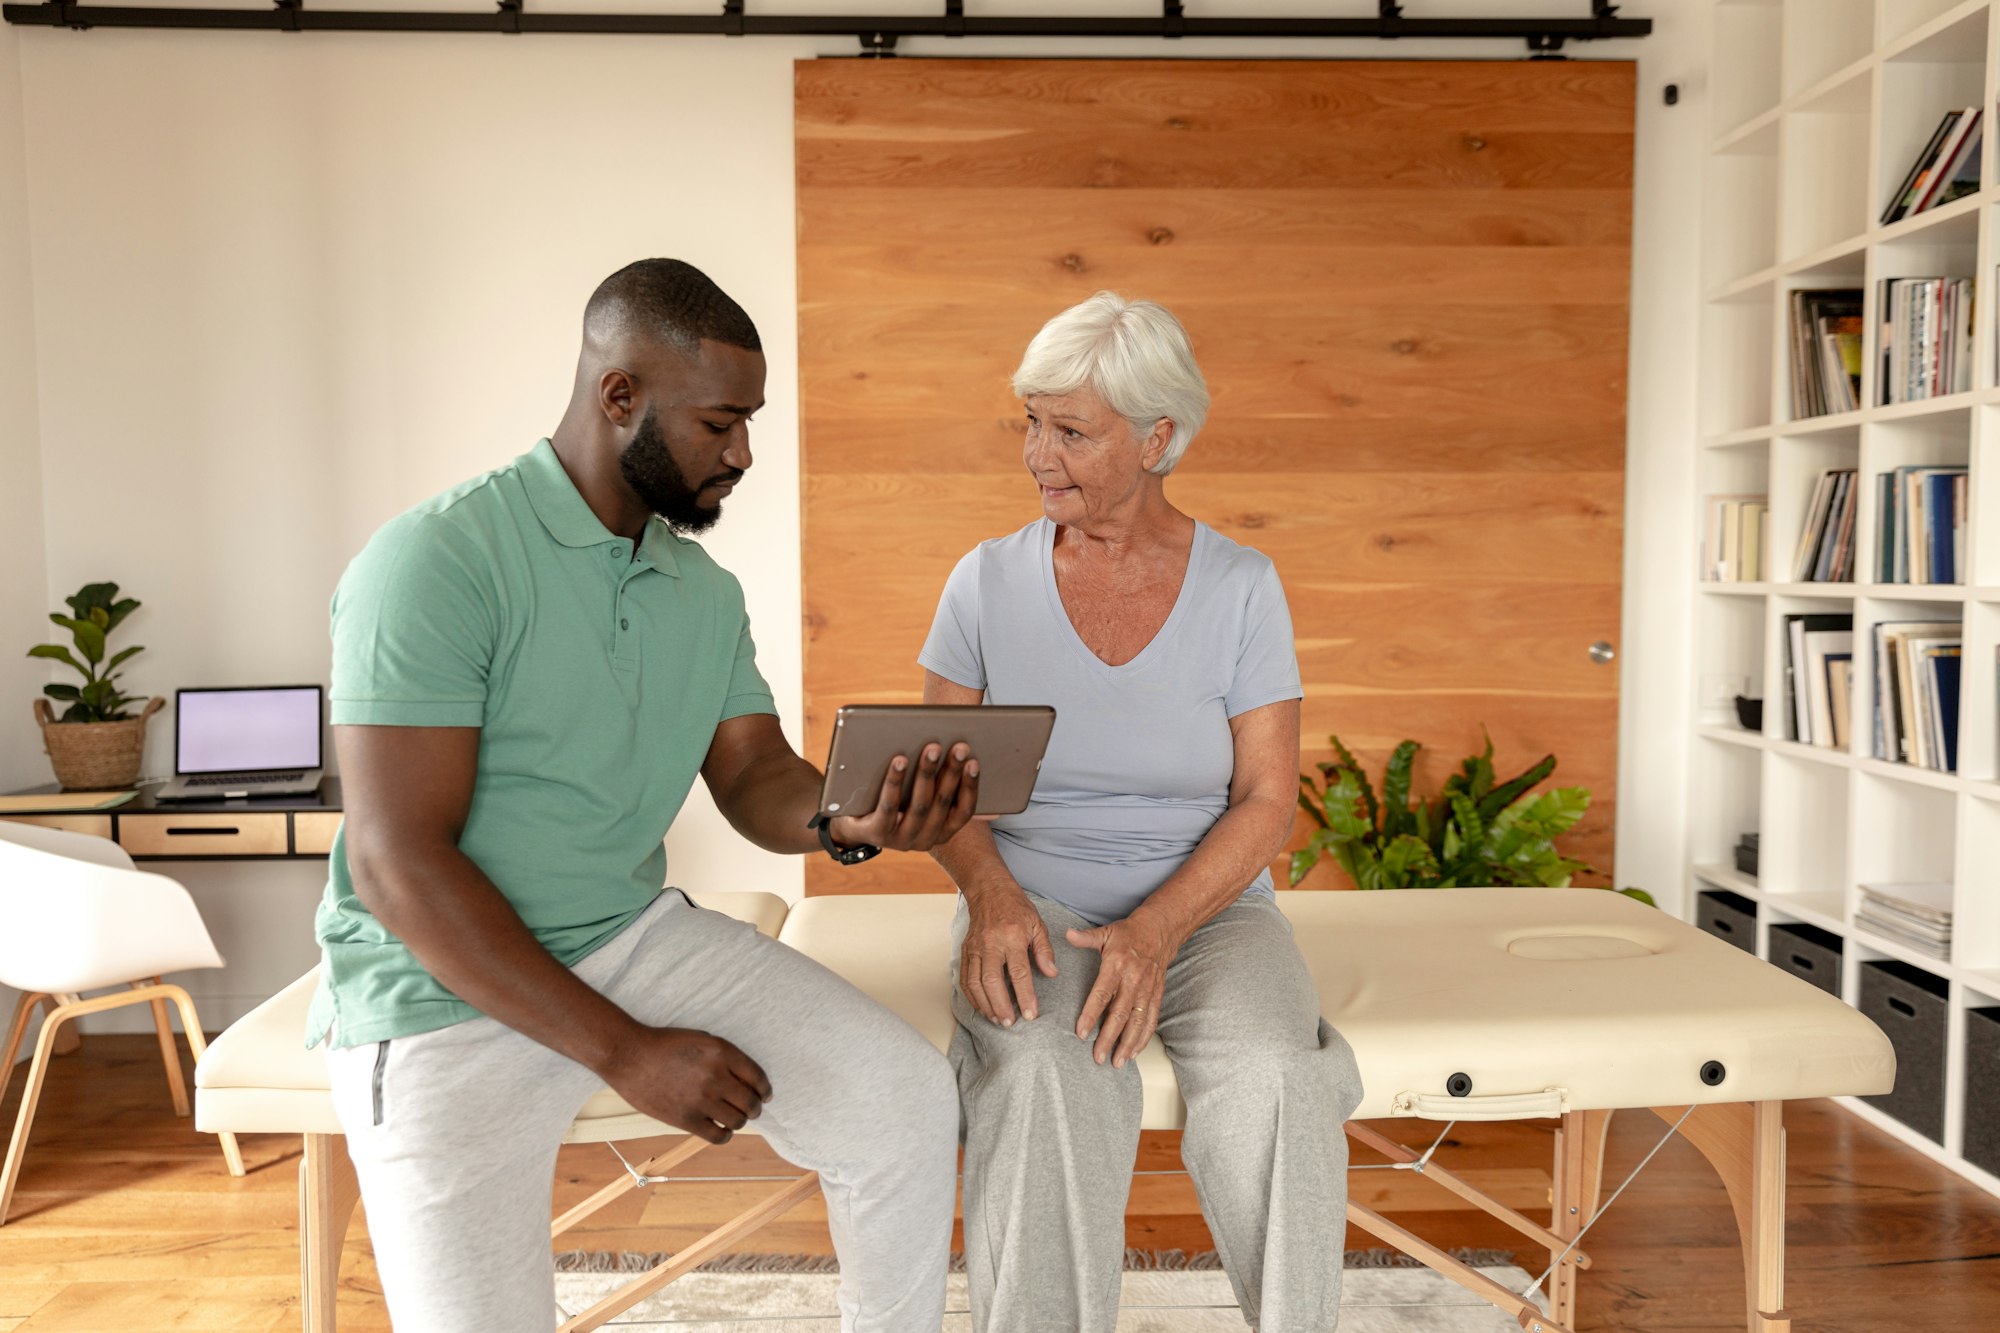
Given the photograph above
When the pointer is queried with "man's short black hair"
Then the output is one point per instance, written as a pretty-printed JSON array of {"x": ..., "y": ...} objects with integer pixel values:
[{"x": 669, "y": 302}]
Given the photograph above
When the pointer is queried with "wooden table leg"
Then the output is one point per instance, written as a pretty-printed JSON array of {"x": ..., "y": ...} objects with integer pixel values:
[
  {"x": 1578, "y": 1179},
  {"x": 1745, "y": 1143},
  {"x": 328, "y": 1192}
]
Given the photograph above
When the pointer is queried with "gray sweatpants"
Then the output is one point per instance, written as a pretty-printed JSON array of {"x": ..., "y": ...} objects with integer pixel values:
[
  {"x": 1051, "y": 1136},
  {"x": 455, "y": 1138}
]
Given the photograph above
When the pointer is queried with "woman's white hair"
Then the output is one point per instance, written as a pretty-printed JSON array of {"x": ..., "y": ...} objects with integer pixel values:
[{"x": 1133, "y": 354}]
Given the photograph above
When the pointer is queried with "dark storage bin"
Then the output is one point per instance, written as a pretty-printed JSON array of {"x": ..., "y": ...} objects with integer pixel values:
[
  {"x": 1982, "y": 1088},
  {"x": 1728, "y": 916},
  {"x": 1746, "y": 855},
  {"x": 1908, "y": 1003},
  {"x": 1808, "y": 953}
]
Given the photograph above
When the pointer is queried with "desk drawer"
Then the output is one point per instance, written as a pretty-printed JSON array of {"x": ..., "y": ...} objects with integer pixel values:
[
  {"x": 203, "y": 835},
  {"x": 96, "y": 826},
  {"x": 312, "y": 832}
]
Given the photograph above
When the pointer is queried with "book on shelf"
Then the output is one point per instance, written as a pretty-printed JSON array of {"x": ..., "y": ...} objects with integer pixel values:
[
  {"x": 1926, "y": 338},
  {"x": 1946, "y": 169},
  {"x": 1826, "y": 544},
  {"x": 1812, "y": 643},
  {"x": 1916, "y": 702},
  {"x": 1920, "y": 511},
  {"x": 1840, "y": 690},
  {"x": 1826, "y": 351},
  {"x": 1733, "y": 541},
  {"x": 1917, "y": 916}
]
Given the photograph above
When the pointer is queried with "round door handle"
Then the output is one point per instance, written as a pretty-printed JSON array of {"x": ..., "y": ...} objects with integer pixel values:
[{"x": 1602, "y": 652}]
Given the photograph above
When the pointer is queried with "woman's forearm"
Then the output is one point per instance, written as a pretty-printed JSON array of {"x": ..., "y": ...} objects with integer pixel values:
[
  {"x": 973, "y": 862},
  {"x": 1241, "y": 843}
]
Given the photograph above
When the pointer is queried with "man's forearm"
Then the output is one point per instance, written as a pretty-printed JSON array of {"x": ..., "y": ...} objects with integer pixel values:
[
  {"x": 772, "y": 800},
  {"x": 469, "y": 937}
]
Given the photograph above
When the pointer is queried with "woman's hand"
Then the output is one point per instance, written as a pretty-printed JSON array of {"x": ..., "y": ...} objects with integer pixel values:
[
  {"x": 1130, "y": 982},
  {"x": 1004, "y": 945}
]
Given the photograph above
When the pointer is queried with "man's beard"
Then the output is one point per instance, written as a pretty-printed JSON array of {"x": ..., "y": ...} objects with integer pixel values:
[{"x": 650, "y": 470}]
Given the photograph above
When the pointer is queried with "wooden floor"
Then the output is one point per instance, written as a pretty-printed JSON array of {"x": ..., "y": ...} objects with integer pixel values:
[{"x": 126, "y": 1220}]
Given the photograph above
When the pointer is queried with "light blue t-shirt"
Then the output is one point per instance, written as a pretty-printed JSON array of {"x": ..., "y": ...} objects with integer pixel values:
[{"x": 1138, "y": 768}]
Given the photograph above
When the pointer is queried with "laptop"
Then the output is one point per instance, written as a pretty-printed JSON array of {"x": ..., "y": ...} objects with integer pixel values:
[{"x": 263, "y": 740}]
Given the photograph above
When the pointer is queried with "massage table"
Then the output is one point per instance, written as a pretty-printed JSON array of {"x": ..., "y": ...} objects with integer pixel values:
[{"x": 1460, "y": 1004}]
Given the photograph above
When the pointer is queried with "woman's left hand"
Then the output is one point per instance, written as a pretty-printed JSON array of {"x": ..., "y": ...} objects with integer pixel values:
[{"x": 1130, "y": 981}]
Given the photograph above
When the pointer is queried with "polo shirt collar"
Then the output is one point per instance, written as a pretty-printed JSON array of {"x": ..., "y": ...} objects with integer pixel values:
[{"x": 571, "y": 521}]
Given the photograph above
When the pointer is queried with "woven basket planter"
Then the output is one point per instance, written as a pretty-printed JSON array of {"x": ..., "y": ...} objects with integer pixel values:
[{"x": 95, "y": 756}]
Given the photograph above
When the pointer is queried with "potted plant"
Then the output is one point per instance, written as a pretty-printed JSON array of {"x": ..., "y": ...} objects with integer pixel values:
[
  {"x": 1479, "y": 831},
  {"x": 96, "y": 743}
]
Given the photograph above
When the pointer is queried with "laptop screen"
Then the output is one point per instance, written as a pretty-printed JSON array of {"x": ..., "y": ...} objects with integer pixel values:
[{"x": 241, "y": 731}]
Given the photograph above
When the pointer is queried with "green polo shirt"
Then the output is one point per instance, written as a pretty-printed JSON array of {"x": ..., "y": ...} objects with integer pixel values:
[{"x": 596, "y": 678}]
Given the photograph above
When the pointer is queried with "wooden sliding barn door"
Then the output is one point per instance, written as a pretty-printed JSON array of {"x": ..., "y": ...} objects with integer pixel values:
[{"x": 1406, "y": 283}]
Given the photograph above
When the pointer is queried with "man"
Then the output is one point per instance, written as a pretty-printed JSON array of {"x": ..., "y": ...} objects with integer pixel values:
[{"x": 529, "y": 670}]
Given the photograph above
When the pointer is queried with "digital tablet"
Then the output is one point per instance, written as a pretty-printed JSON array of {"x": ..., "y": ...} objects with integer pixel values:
[{"x": 1006, "y": 739}]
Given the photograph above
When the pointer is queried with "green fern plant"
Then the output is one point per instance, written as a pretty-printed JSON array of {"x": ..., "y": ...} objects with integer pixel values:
[
  {"x": 1478, "y": 831},
  {"x": 95, "y": 611}
]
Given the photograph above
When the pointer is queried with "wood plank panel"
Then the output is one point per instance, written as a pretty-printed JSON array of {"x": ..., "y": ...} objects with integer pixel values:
[
  {"x": 998, "y": 97},
  {"x": 1407, "y": 285},
  {"x": 1065, "y": 273},
  {"x": 1203, "y": 220}
]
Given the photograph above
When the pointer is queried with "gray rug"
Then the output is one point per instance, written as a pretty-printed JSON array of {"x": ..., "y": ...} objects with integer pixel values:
[{"x": 1163, "y": 1293}]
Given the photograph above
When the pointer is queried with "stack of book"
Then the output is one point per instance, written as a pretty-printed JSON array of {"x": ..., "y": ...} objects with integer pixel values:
[
  {"x": 1826, "y": 351},
  {"x": 1733, "y": 548},
  {"x": 1916, "y": 692},
  {"x": 1819, "y": 653},
  {"x": 1826, "y": 546},
  {"x": 1926, "y": 347},
  {"x": 1917, "y": 916},
  {"x": 1921, "y": 519},
  {"x": 1947, "y": 168}
]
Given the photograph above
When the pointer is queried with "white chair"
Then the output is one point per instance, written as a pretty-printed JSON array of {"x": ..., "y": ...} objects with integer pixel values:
[{"x": 75, "y": 916}]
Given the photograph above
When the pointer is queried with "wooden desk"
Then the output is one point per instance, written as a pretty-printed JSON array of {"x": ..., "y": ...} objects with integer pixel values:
[{"x": 265, "y": 829}]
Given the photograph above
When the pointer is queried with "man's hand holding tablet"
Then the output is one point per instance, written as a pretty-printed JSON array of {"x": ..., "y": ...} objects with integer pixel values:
[{"x": 872, "y": 794}]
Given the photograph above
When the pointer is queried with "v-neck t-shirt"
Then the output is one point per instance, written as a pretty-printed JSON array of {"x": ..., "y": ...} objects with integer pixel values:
[
  {"x": 596, "y": 674},
  {"x": 1139, "y": 765}
]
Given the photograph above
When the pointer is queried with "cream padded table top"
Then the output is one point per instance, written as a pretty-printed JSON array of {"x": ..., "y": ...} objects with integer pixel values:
[
  {"x": 1612, "y": 1002},
  {"x": 259, "y": 1078},
  {"x": 1522, "y": 990}
]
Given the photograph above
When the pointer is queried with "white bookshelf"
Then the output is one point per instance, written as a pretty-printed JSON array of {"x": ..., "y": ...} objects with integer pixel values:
[{"x": 1817, "y": 108}]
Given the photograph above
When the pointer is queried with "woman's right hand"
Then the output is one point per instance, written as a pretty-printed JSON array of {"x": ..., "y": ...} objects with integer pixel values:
[{"x": 1004, "y": 946}]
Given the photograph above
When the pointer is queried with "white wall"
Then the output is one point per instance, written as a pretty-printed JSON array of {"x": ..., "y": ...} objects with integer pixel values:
[
  {"x": 24, "y": 603},
  {"x": 286, "y": 287}
]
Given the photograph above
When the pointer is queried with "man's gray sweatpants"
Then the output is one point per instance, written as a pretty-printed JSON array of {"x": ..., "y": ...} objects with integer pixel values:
[
  {"x": 454, "y": 1132},
  {"x": 1051, "y": 1136}
]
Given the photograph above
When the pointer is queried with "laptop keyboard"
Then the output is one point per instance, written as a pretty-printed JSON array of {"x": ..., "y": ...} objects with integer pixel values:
[{"x": 242, "y": 779}]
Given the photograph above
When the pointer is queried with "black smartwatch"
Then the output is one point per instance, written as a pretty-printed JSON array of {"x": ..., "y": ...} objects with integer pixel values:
[{"x": 847, "y": 856}]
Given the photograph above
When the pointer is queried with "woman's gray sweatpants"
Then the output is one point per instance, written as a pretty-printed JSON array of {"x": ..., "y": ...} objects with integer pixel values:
[
  {"x": 455, "y": 1138},
  {"x": 1051, "y": 1136}
]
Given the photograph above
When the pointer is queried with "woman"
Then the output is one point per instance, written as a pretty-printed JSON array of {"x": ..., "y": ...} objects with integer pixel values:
[{"x": 1134, "y": 893}]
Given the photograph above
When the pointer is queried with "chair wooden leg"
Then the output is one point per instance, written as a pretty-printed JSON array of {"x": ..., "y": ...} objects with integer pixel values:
[
  {"x": 1745, "y": 1143},
  {"x": 328, "y": 1192},
  {"x": 169, "y": 1053},
  {"x": 24, "y": 1010},
  {"x": 232, "y": 1156},
  {"x": 69, "y": 1040},
  {"x": 38, "y": 1072}
]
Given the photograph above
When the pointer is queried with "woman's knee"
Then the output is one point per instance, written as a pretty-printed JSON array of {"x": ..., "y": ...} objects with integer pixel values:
[{"x": 1041, "y": 1053}]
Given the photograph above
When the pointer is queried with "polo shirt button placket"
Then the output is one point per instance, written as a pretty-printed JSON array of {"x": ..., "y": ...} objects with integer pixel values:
[{"x": 624, "y": 653}]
